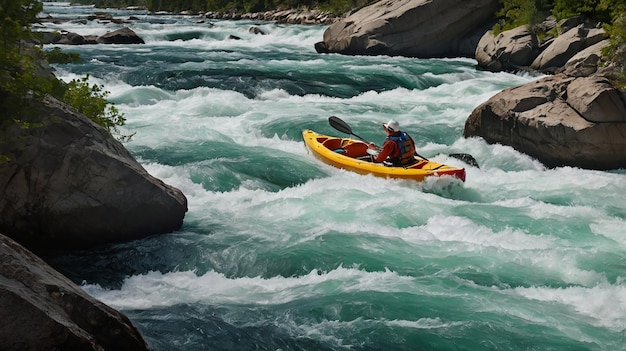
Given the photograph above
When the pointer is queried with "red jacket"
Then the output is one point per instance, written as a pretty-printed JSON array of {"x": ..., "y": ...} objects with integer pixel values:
[{"x": 391, "y": 149}]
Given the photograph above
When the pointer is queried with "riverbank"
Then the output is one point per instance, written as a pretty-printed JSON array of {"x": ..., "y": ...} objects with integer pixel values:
[{"x": 292, "y": 16}]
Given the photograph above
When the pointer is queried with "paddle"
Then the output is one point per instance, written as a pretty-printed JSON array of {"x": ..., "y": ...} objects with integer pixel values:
[{"x": 343, "y": 127}]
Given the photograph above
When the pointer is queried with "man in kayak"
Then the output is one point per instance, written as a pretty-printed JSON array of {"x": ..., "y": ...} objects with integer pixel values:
[{"x": 398, "y": 148}]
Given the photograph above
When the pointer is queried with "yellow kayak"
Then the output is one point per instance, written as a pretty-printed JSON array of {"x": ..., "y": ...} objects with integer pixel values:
[{"x": 352, "y": 155}]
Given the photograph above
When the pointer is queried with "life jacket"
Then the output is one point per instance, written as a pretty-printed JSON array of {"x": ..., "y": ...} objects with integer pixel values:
[{"x": 407, "y": 149}]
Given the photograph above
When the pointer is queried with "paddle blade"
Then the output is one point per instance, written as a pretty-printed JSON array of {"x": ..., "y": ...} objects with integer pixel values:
[
  {"x": 467, "y": 158},
  {"x": 339, "y": 124}
]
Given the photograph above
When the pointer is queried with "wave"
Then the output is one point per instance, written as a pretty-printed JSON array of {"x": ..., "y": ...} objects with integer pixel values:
[
  {"x": 601, "y": 305},
  {"x": 157, "y": 289}
]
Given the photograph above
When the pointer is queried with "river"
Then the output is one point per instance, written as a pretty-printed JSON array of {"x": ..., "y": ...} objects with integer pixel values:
[{"x": 281, "y": 252}]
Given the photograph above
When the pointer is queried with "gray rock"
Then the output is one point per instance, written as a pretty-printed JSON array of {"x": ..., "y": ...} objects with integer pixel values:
[
  {"x": 414, "y": 28},
  {"x": 565, "y": 46},
  {"x": 71, "y": 39},
  {"x": 510, "y": 50},
  {"x": 76, "y": 39},
  {"x": 70, "y": 184},
  {"x": 40, "y": 309},
  {"x": 585, "y": 62},
  {"x": 560, "y": 120},
  {"x": 596, "y": 100},
  {"x": 120, "y": 36},
  {"x": 256, "y": 30}
]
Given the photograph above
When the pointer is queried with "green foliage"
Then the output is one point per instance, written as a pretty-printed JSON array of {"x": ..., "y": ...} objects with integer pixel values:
[
  {"x": 16, "y": 16},
  {"x": 17, "y": 69},
  {"x": 610, "y": 12},
  {"x": 521, "y": 12},
  {"x": 19, "y": 80},
  {"x": 57, "y": 55},
  {"x": 23, "y": 75},
  {"x": 616, "y": 51},
  {"x": 92, "y": 102},
  {"x": 589, "y": 9},
  {"x": 341, "y": 7}
]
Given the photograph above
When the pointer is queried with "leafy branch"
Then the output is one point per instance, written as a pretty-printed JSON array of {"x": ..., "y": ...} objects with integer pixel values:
[{"x": 91, "y": 100}]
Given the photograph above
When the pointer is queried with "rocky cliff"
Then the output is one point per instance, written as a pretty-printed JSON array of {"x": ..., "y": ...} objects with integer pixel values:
[
  {"x": 69, "y": 184},
  {"x": 42, "y": 310}
]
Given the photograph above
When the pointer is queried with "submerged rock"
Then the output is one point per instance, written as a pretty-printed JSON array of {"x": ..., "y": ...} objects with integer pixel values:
[
  {"x": 69, "y": 184},
  {"x": 40, "y": 309}
]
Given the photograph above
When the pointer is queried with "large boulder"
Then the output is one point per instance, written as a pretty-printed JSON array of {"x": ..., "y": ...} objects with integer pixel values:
[
  {"x": 40, "y": 309},
  {"x": 585, "y": 62},
  {"x": 560, "y": 120},
  {"x": 414, "y": 28},
  {"x": 69, "y": 184},
  {"x": 121, "y": 36},
  {"x": 520, "y": 49},
  {"x": 508, "y": 51},
  {"x": 566, "y": 46}
]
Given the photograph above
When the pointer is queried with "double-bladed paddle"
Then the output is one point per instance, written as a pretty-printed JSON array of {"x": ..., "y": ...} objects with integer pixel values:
[{"x": 343, "y": 127}]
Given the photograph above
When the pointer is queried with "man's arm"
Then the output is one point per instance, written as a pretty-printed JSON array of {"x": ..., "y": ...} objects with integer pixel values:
[{"x": 385, "y": 151}]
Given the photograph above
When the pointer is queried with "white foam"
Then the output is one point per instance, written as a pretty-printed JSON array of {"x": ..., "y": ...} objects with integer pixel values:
[
  {"x": 611, "y": 228},
  {"x": 156, "y": 289},
  {"x": 426, "y": 323},
  {"x": 463, "y": 230},
  {"x": 602, "y": 305}
]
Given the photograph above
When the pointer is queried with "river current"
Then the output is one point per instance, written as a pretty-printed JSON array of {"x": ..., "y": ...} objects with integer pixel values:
[{"x": 281, "y": 252}]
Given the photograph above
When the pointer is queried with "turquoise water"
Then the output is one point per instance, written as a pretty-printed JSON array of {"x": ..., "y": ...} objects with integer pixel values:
[{"x": 281, "y": 252}]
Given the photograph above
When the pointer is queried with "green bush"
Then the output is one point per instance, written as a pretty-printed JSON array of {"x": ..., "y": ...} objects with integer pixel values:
[
  {"x": 23, "y": 76},
  {"x": 57, "y": 55},
  {"x": 515, "y": 13},
  {"x": 91, "y": 101}
]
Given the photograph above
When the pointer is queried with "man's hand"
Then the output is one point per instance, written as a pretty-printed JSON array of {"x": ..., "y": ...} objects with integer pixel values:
[{"x": 373, "y": 149}]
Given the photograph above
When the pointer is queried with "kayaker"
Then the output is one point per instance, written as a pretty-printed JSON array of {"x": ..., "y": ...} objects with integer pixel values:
[{"x": 398, "y": 147}]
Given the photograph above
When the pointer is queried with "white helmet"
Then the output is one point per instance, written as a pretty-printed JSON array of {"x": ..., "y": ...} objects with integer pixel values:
[{"x": 392, "y": 125}]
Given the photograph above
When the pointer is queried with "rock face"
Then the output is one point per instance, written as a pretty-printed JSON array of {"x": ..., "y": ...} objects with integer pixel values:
[
  {"x": 560, "y": 120},
  {"x": 519, "y": 48},
  {"x": 70, "y": 184},
  {"x": 414, "y": 28},
  {"x": 575, "y": 118},
  {"x": 507, "y": 51},
  {"x": 565, "y": 46},
  {"x": 42, "y": 310}
]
